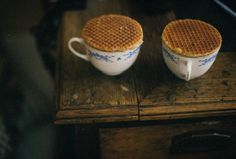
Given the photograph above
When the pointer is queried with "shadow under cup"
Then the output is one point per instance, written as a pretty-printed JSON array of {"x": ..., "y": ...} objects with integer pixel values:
[{"x": 188, "y": 68}]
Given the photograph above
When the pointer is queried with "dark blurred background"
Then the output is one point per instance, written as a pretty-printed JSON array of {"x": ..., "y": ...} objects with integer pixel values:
[{"x": 28, "y": 42}]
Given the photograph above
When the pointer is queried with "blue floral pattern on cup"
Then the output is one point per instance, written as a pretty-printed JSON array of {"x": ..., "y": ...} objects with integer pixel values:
[
  {"x": 207, "y": 60},
  {"x": 131, "y": 53},
  {"x": 112, "y": 58},
  {"x": 101, "y": 57},
  {"x": 170, "y": 56}
]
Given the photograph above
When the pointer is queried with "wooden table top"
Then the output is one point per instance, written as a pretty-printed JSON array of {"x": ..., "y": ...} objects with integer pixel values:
[{"x": 148, "y": 90}]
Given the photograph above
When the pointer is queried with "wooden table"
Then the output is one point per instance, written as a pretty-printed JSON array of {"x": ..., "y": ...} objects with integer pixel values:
[{"x": 148, "y": 91}]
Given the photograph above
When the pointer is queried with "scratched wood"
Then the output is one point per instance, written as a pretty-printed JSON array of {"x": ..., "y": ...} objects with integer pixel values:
[
  {"x": 85, "y": 93},
  {"x": 147, "y": 91},
  {"x": 168, "y": 97}
]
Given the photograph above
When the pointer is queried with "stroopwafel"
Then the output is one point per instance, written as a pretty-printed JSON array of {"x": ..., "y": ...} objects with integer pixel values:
[
  {"x": 191, "y": 38},
  {"x": 112, "y": 33}
]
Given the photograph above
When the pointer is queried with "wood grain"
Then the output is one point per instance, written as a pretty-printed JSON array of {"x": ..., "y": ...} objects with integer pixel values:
[
  {"x": 85, "y": 93},
  {"x": 148, "y": 90},
  {"x": 213, "y": 93},
  {"x": 151, "y": 142}
]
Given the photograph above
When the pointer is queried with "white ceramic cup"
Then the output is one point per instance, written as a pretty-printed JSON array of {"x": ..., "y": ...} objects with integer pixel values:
[
  {"x": 110, "y": 63},
  {"x": 187, "y": 68}
]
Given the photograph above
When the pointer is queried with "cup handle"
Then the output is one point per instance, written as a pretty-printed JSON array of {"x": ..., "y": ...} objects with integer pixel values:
[
  {"x": 81, "y": 41},
  {"x": 189, "y": 70},
  {"x": 188, "y": 65}
]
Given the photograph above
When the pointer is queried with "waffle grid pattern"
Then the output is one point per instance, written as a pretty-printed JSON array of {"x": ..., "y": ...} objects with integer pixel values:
[
  {"x": 113, "y": 33},
  {"x": 191, "y": 38}
]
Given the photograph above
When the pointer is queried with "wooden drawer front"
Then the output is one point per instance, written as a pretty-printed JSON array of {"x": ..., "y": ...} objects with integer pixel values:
[{"x": 154, "y": 142}]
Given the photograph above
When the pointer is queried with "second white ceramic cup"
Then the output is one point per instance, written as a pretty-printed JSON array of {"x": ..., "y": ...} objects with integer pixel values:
[{"x": 187, "y": 68}]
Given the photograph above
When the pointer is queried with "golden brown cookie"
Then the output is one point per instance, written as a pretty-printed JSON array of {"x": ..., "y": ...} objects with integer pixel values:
[
  {"x": 113, "y": 33},
  {"x": 191, "y": 38}
]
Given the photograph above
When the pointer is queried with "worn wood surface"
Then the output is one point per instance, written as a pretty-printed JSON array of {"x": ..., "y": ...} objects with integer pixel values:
[
  {"x": 85, "y": 93},
  {"x": 168, "y": 97},
  {"x": 152, "y": 142},
  {"x": 147, "y": 91}
]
